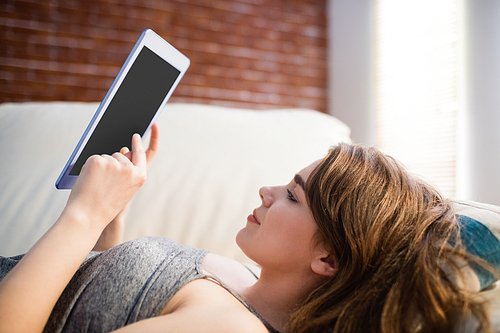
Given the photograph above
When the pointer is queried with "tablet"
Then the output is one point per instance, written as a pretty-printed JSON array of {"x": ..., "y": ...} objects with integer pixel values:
[{"x": 132, "y": 104}]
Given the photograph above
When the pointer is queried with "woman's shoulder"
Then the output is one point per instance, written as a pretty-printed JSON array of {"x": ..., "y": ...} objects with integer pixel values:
[
  {"x": 234, "y": 274},
  {"x": 204, "y": 303}
]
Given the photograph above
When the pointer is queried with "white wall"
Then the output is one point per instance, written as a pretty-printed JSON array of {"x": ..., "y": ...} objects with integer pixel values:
[
  {"x": 351, "y": 88},
  {"x": 479, "y": 176},
  {"x": 350, "y": 27}
]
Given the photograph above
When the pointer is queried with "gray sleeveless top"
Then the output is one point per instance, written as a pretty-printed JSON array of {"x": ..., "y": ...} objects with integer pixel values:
[{"x": 130, "y": 282}]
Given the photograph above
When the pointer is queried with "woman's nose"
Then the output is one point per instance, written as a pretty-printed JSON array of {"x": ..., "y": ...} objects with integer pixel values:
[{"x": 266, "y": 195}]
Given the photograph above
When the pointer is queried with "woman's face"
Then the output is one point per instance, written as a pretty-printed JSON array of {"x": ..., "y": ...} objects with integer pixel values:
[{"x": 281, "y": 232}]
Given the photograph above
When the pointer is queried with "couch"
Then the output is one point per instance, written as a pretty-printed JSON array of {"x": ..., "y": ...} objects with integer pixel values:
[{"x": 202, "y": 185}]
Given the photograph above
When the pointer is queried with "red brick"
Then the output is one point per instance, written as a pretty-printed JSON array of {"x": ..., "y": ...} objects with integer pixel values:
[{"x": 253, "y": 53}]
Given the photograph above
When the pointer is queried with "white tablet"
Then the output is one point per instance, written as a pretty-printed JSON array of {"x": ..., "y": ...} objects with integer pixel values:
[{"x": 132, "y": 104}]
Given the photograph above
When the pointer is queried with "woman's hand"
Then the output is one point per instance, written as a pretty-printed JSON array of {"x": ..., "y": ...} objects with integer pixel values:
[
  {"x": 152, "y": 149},
  {"x": 106, "y": 184},
  {"x": 113, "y": 233}
]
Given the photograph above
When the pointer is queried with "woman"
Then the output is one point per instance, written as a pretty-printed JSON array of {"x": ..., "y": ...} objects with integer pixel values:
[{"x": 352, "y": 244}]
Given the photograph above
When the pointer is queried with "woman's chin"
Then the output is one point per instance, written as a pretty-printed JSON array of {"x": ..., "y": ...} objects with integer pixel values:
[{"x": 243, "y": 240}]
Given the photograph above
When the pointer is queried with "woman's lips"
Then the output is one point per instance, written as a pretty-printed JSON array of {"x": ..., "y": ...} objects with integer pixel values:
[{"x": 252, "y": 218}]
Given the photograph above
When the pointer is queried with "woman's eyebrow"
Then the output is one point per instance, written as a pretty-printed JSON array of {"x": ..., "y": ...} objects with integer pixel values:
[{"x": 299, "y": 181}]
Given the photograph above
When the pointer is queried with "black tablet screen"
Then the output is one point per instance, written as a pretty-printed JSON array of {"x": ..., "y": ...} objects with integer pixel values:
[{"x": 132, "y": 108}]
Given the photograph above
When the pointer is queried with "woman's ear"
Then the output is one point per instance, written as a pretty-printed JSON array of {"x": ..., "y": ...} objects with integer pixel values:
[{"x": 325, "y": 265}]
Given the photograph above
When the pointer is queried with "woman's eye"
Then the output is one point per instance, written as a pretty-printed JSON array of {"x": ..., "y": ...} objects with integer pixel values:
[{"x": 290, "y": 196}]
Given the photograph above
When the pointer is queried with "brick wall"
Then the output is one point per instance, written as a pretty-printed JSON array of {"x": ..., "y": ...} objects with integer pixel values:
[{"x": 244, "y": 53}]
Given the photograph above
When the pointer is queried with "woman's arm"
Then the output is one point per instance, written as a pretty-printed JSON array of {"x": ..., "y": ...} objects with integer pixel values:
[
  {"x": 105, "y": 185},
  {"x": 112, "y": 235}
]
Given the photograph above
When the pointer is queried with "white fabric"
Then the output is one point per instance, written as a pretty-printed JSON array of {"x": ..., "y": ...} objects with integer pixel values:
[{"x": 201, "y": 187}]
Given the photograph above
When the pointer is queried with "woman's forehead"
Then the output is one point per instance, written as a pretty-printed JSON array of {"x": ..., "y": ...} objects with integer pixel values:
[{"x": 304, "y": 173}]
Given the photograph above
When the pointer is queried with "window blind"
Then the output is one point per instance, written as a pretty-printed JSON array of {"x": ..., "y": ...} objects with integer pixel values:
[{"x": 417, "y": 71}]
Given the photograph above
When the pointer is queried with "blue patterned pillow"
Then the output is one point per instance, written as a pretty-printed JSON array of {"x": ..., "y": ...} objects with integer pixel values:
[{"x": 480, "y": 234}]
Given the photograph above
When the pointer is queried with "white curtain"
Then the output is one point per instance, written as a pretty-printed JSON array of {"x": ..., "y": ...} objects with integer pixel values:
[{"x": 417, "y": 75}]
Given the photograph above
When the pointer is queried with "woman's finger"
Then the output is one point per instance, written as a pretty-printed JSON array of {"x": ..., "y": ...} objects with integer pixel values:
[
  {"x": 153, "y": 144},
  {"x": 138, "y": 153},
  {"x": 121, "y": 157},
  {"x": 127, "y": 153},
  {"x": 152, "y": 149}
]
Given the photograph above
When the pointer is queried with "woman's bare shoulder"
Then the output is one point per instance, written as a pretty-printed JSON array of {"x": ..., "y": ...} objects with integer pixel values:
[
  {"x": 233, "y": 273},
  {"x": 205, "y": 304}
]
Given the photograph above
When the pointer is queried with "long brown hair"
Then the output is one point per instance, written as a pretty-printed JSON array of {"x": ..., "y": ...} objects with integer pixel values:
[{"x": 389, "y": 232}]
